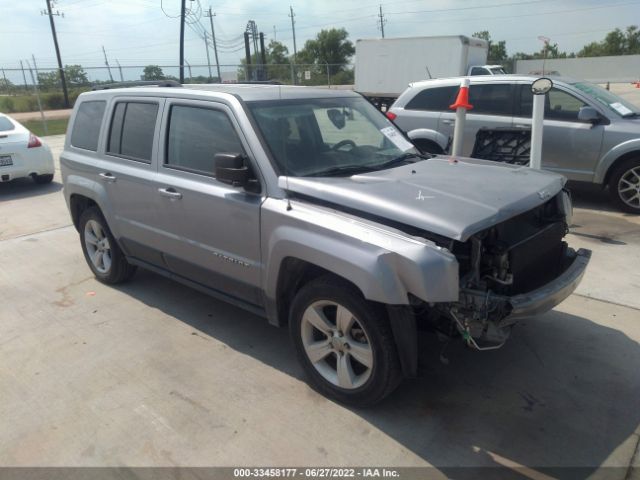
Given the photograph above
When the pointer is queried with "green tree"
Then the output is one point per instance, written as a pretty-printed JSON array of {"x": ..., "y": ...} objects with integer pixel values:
[
  {"x": 75, "y": 75},
  {"x": 615, "y": 42},
  {"x": 6, "y": 86},
  {"x": 153, "y": 72},
  {"x": 330, "y": 46},
  {"x": 497, "y": 51}
]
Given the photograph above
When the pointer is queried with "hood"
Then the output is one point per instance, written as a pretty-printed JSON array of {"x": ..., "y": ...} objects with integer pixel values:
[{"x": 451, "y": 198}]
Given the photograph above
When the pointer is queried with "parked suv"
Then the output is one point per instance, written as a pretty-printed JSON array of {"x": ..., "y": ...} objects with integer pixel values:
[
  {"x": 309, "y": 207},
  {"x": 590, "y": 134}
]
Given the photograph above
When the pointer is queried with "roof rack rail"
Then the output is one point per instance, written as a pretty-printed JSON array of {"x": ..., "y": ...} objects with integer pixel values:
[{"x": 138, "y": 83}]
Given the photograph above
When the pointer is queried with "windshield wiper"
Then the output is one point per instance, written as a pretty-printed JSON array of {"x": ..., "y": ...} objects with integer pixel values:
[
  {"x": 353, "y": 169},
  {"x": 400, "y": 159},
  {"x": 343, "y": 170}
]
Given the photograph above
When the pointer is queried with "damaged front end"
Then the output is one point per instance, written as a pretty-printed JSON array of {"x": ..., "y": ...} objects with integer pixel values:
[{"x": 513, "y": 270}]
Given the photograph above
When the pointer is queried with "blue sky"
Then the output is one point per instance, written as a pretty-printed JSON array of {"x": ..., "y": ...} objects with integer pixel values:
[{"x": 140, "y": 32}]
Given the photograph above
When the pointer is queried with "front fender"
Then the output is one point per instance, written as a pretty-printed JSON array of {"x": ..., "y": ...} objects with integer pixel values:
[
  {"x": 609, "y": 158},
  {"x": 431, "y": 135},
  {"x": 385, "y": 264}
]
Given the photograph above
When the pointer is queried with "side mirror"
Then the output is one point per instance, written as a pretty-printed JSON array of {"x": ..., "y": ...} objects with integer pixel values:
[
  {"x": 337, "y": 118},
  {"x": 232, "y": 169},
  {"x": 588, "y": 115}
]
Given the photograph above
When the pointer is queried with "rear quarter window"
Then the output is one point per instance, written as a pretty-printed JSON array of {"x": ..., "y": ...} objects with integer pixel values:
[
  {"x": 435, "y": 99},
  {"x": 6, "y": 124},
  {"x": 87, "y": 123}
]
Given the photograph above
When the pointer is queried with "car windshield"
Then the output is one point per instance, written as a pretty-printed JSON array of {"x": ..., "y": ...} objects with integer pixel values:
[
  {"x": 330, "y": 136},
  {"x": 609, "y": 100}
]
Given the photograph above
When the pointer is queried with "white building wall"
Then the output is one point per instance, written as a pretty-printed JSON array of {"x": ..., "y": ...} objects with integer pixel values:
[{"x": 615, "y": 69}]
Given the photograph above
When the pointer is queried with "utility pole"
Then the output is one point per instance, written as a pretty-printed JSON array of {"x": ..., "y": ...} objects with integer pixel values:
[
  {"x": 50, "y": 13},
  {"x": 120, "y": 69},
  {"x": 106, "y": 62},
  {"x": 35, "y": 67},
  {"x": 206, "y": 47},
  {"x": 295, "y": 50},
  {"x": 213, "y": 37},
  {"x": 182, "y": 15},
  {"x": 263, "y": 58},
  {"x": 189, "y": 67},
  {"x": 381, "y": 21},
  {"x": 35, "y": 87},
  {"x": 247, "y": 52},
  {"x": 274, "y": 33},
  {"x": 24, "y": 77}
]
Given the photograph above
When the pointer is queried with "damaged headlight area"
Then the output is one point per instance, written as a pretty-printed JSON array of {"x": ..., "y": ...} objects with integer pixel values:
[{"x": 518, "y": 268}]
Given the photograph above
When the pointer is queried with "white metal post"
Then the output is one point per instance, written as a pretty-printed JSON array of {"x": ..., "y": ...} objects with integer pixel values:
[
  {"x": 537, "y": 123},
  {"x": 458, "y": 129}
]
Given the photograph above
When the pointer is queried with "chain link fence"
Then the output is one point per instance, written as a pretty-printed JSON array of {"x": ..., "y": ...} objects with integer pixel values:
[{"x": 29, "y": 89}]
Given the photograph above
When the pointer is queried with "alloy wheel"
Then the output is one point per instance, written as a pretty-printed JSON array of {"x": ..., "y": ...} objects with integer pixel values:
[{"x": 97, "y": 245}]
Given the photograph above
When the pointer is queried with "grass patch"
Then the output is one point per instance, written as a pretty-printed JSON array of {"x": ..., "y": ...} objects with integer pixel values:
[{"x": 56, "y": 126}]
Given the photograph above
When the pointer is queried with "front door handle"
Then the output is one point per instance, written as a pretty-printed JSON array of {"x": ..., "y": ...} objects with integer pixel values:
[
  {"x": 170, "y": 192},
  {"x": 107, "y": 177},
  {"x": 522, "y": 125}
]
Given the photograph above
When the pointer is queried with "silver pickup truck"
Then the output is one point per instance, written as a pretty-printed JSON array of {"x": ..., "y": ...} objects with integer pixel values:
[{"x": 308, "y": 207}]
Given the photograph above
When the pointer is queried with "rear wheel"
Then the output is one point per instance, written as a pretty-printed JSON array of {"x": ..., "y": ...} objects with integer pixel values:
[
  {"x": 344, "y": 342},
  {"x": 42, "y": 179},
  {"x": 102, "y": 253},
  {"x": 427, "y": 146},
  {"x": 624, "y": 186}
]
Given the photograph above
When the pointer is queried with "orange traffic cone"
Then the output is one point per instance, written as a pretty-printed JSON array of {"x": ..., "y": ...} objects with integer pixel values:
[{"x": 462, "y": 101}]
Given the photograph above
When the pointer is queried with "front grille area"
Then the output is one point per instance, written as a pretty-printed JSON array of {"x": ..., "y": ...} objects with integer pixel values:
[
  {"x": 518, "y": 255},
  {"x": 537, "y": 260}
]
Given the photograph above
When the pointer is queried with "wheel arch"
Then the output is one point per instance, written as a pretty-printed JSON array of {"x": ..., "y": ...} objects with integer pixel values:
[
  {"x": 618, "y": 161},
  {"x": 433, "y": 136},
  {"x": 294, "y": 273},
  {"x": 78, "y": 203}
]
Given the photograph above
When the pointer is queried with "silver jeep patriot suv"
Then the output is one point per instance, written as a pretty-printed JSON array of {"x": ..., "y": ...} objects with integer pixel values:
[{"x": 309, "y": 207}]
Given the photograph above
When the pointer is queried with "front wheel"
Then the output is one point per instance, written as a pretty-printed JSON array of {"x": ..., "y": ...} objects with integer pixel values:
[
  {"x": 624, "y": 186},
  {"x": 344, "y": 343}
]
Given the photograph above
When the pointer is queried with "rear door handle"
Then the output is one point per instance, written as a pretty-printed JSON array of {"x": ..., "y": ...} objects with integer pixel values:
[
  {"x": 107, "y": 177},
  {"x": 170, "y": 192},
  {"x": 448, "y": 122},
  {"x": 522, "y": 125}
]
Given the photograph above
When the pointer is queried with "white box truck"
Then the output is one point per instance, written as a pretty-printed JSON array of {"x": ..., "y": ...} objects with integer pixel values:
[{"x": 385, "y": 66}]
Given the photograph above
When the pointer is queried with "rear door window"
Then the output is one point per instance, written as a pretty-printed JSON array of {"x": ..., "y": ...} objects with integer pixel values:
[
  {"x": 491, "y": 98},
  {"x": 132, "y": 130},
  {"x": 435, "y": 99},
  {"x": 86, "y": 125}
]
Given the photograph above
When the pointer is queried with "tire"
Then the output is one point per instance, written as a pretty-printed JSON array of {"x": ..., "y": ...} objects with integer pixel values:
[
  {"x": 42, "y": 179},
  {"x": 624, "y": 186},
  {"x": 427, "y": 146},
  {"x": 340, "y": 369},
  {"x": 101, "y": 251}
]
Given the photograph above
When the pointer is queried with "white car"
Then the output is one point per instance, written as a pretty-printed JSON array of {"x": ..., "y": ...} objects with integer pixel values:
[{"x": 22, "y": 154}]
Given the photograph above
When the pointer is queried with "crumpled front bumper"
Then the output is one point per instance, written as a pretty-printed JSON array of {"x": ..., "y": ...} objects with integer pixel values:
[{"x": 548, "y": 296}]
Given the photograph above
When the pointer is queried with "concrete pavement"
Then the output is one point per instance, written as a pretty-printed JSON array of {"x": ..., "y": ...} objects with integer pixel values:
[{"x": 152, "y": 373}]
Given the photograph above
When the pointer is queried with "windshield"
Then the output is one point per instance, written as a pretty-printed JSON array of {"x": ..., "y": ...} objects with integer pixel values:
[
  {"x": 609, "y": 100},
  {"x": 329, "y": 136}
]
